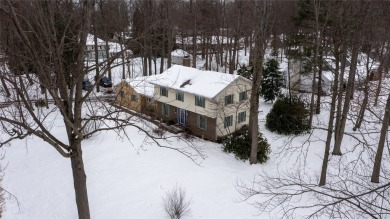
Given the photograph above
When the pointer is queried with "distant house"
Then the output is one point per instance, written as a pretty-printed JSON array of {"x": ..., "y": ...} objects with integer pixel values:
[
  {"x": 210, "y": 104},
  {"x": 113, "y": 48},
  {"x": 136, "y": 94},
  {"x": 90, "y": 48},
  {"x": 178, "y": 57},
  {"x": 303, "y": 82}
]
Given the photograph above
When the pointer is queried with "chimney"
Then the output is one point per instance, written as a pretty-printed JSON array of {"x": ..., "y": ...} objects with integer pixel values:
[{"x": 186, "y": 61}]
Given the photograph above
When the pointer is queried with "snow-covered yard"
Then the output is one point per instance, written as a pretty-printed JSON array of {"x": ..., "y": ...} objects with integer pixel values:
[{"x": 128, "y": 177}]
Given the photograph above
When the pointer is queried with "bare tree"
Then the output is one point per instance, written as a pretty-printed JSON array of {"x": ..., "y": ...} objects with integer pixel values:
[
  {"x": 378, "y": 157},
  {"x": 262, "y": 31},
  {"x": 59, "y": 29}
]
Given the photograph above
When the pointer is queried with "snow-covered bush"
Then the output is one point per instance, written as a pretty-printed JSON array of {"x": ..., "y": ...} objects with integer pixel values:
[
  {"x": 175, "y": 203},
  {"x": 239, "y": 143},
  {"x": 288, "y": 116}
]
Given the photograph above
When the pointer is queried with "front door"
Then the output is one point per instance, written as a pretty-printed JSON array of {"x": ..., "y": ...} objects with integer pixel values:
[{"x": 182, "y": 116}]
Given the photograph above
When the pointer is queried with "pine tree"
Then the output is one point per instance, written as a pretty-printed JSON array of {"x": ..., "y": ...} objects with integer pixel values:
[
  {"x": 271, "y": 83},
  {"x": 246, "y": 71}
]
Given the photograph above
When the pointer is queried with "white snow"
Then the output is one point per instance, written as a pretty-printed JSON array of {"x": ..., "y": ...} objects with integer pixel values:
[
  {"x": 179, "y": 53},
  {"x": 203, "y": 83},
  {"x": 142, "y": 86},
  {"x": 127, "y": 176}
]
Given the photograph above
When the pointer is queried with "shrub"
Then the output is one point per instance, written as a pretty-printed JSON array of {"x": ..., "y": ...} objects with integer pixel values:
[
  {"x": 288, "y": 116},
  {"x": 40, "y": 103},
  {"x": 175, "y": 203},
  {"x": 159, "y": 131},
  {"x": 239, "y": 143}
]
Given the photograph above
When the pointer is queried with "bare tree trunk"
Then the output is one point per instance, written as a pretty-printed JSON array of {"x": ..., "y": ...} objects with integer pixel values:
[
  {"x": 150, "y": 63},
  {"x": 107, "y": 57},
  {"x": 261, "y": 38},
  {"x": 363, "y": 107},
  {"x": 206, "y": 50},
  {"x": 379, "y": 87},
  {"x": 122, "y": 56},
  {"x": 341, "y": 88},
  {"x": 169, "y": 61},
  {"x": 96, "y": 57},
  {"x": 162, "y": 59},
  {"x": 194, "y": 34},
  {"x": 145, "y": 65},
  {"x": 80, "y": 180},
  {"x": 380, "y": 69},
  {"x": 330, "y": 122},
  {"x": 319, "y": 89},
  {"x": 351, "y": 78},
  {"x": 379, "y": 153}
]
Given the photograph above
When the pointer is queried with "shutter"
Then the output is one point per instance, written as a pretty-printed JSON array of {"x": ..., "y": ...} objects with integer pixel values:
[{"x": 198, "y": 121}]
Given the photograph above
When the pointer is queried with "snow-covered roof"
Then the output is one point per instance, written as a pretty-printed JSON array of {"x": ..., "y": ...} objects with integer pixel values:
[
  {"x": 195, "y": 81},
  {"x": 114, "y": 47},
  {"x": 141, "y": 85},
  {"x": 179, "y": 52},
  {"x": 91, "y": 41}
]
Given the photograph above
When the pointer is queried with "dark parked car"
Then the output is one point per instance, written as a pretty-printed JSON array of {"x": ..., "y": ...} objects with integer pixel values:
[
  {"x": 86, "y": 84},
  {"x": 105, "y": 82}
]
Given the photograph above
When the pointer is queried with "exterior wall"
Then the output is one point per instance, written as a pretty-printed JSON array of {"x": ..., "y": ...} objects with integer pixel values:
[
  {"x": 90, "y": 52},
  {"x": 209, "y": 133},
  {"x": 172, "y": 113},
  {"x": 233, "y": 109},
  {"x": 141, "y": 105},
  {"x": 188, "y": 103},
  {"x": 125, "y": 101},
  {"x": 215, "y": 109},
  {"x": 192, "y": 124}
]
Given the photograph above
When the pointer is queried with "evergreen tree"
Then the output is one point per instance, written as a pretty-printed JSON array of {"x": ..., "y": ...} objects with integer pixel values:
[
  {"x": 246, "y": 71},
  {"x": 271, "y": 83}
]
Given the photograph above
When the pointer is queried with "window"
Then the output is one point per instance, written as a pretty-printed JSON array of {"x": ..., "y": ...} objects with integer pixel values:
[
  {"x": 150, "y": 99},
  {"x": 180, "y": 96},
  {"x": 241, "y": 117},
  {"x": 165, "y": 109},
  {"x": 164, "y": 91},
  {"x": 228, "y": 121},
  {"x": 243, "y": 96},
  {"x": 228, "y": 99},
  {"x": 199, "y": 101},
  {"x": 133, "y": 97},
  {"x": 201, "y": 122},
  {"x": 121, "y": 93}
]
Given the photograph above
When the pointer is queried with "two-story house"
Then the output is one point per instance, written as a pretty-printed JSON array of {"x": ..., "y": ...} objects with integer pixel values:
[{"x": 210, "y": 104}]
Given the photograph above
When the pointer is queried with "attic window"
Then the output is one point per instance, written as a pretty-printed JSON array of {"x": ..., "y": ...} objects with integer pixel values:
[{"x": 185, "y": 83}]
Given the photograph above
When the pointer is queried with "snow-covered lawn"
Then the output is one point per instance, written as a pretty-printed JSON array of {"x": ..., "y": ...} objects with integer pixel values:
[
  {"x": 128, "y": 179},
  {"x": 125, "y": 179}
]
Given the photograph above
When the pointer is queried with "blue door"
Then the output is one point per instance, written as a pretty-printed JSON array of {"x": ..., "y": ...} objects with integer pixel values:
[{"x": 182, "y": 116}]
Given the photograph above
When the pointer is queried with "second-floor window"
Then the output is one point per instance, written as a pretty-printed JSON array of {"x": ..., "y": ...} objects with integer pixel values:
[
  {"x": 243, "y": 96},
  {"x": 228, "y": 99},
  {"x": 133, "y": 97},
  {"x": 180, "y": 96},
  {"x": 164, "y": 91},
  {"x": 199, "y": 101}
]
